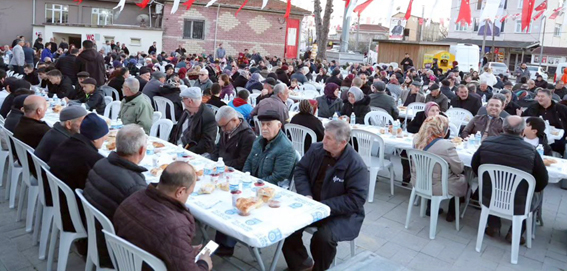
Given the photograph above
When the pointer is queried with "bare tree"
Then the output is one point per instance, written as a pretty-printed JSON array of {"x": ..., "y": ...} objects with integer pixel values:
[{"x": 322, "y": 26}]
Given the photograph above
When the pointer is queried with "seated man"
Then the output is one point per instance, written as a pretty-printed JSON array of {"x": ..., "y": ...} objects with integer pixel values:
[
  {"x": 487, "y": 125},
  {"x": 196, "y": 129},
  {"x": 276, "y": 103},
  {"x": 203, "y": 82},
  {"x": 503, "y": 113},
  {"x": 413, "y": 94},
  {"x": 103, "y": 190},
  {"x": 466, "y": 101},
  {"x": 31, "y": 128},
  {"x": 437, "y": 97},
  {"x": 16, "y": 113},
  {"x": 379, "y": 98},
  {"x": 510, "y": 149},
  {"x": 316, "y": 177},
  {"x": 268, "y": 90},
  {"x": 135, "y": 108},
  {"x": 30, "y": 74},
  {"x": 157, "y": 220},
  {"x": 511, "y": 107},
  {"x": 93, "y": 98},
  {"x": 272, "y": 157},
  {"x": 240, "y": 104},
  {"x": 70, "y": 119},
  {"x": 60, "y": 85}
]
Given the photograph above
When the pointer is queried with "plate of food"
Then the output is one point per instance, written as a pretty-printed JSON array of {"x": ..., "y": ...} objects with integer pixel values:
[
  {"x": 57, "y": 108},
  {"x": 207, "y": 188},
  {"x": 157, "y": 171},
  {"x": 158, "y": 145},
  {"x": 549, "y": 162},
  {"x": 246, "y": 205},
  {"x": 457, "y": 141},
  {"x": 266, "y": 194}
]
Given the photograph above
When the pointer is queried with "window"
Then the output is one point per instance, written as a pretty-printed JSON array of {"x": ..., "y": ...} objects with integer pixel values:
[
  {"x": 557, "y": 30},
  {"x": 101, "y": 16},
  {"x": 476, "y": 24},
  {"x": 194, "y": 29},
  {"x": 520, "y": 3},
  {"x": 461, "y": 27},
  {"x": 56, "y": 14},
  {"x": 518, "y": 28},
  {"x": 479, "y": 4},
  {"x": 135, "y": 41}
]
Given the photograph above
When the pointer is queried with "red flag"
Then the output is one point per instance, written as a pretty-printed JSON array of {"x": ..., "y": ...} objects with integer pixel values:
[
  {"x": 555, "y": 13},
  {"x": 360, "y": 8},
  {"x": 243, "y": 4},
  {"x": 542, "y": 6},
  {"x": 527, "y": 11},
  {"x": 80, "y": 1},
  {"x": 188, "y": 4},
  {"x": 347, "y": 2},
  {"x": 420, "y": 21},
  {"x": 442, "y": 22},
  {"x": 538, "y": 15},
  {"x": 408, "y": 12},
  {"x": 504, "y": 18},
  {"x": 465, "y": 12},
  {"x": 143, "y": 4},
  {"x": 288, "y": 9}
]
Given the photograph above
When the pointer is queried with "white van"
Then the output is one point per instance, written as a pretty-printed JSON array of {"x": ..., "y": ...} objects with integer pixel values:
[
  {"x": 467, "y": 55},
  {"x": 559, "y": 71}
]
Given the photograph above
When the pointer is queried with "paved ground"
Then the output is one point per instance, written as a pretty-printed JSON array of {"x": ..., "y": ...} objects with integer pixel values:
[{"x": 383, "y": 233}]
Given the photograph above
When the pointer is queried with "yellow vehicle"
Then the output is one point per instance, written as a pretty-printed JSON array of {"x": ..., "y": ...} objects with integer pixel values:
[{"x": 444, "y": 60}]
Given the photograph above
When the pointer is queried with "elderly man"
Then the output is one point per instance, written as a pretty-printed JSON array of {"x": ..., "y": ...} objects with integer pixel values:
[
  {"x": 203, "y": 82},
  {"x": 18, "y": 58},
  {"x": 152, "y": 87},
  {"x": 31, "y": 128},
  {"x": 510, "y": 149},
  {"x": 276, "y": 102},
  {"x": 503, "y": 113},
  {"x": 379, "y": 98},
  {"x": 487, "y": 125},
  {"x": 551, "y": 111},
  {"x": 413, "y": 94},
  {"x": 135, "y": 108},
  {"x": 16, "y": 113},
  {"x": 435, "y": 95},
  {"x": 70, "y": 119},
  {"x": 300, "y": 75},
  {"x": 144, "y": 77},
  {"x": 157, "y": 220},
  {"x": 484, "y": 90},
  {"x": 333, "y": 173},
  {"x": 268, "y": 90},
  {"x": 103, "y": 191},
  {"x": 61, "y": 85},
  {"x": 201, "y": 131},
  {"x": 560, "y": 89},
  {"x": 272, "y": 157},
  {"x": 465, "y": 101}
]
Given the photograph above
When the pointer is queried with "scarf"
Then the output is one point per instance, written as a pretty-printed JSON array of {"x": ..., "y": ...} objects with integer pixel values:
[
  {"x": 129, "y": 98},
  {"x": 238, "y": 102}
]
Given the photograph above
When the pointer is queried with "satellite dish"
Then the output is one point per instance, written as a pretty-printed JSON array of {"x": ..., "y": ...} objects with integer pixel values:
[{"x": 143, "y": 19}]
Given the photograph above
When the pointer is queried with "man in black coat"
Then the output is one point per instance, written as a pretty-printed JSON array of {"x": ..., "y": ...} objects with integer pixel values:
[
  {"x": 510, "y": 149},
  {"x": 31, "y": 128},
  {"x": 12, "y": 85},
  {"x": 66, "y": 65},
  {"x": 333, "y": 173},
  {"x": 92, "y": 62},
  {"x": 62, "y": 86},
  {"x": 406, "y": 63},
  {"x": 16, "y": 113},
  {"x": 466, "y": 101},
  {"x": 446, "y": 89},
  {"x": 103, "y": 190},
  {"x": 70, "y": 119}
]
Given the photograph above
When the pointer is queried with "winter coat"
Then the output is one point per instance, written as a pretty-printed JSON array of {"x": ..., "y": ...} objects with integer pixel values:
[
  {"x": 13, "y": 119},
  {"x": 273, "y": 103},
  {"x": 244, "y": 109},
  {"x": 360, "y": 109},
  {"x": 240, "y": 82},
  {"x": 235, "y": 148},
  {"x": 200, "y": 136},
  {"x": 309, "y": 121},
  {"x": 271, "y": 161},
  {"x": 18, "y": 57},
  {"x": 151, "y": 89},
  {"x": 299, "y": 76},
  {"x": 172, "y": 94},
  {"x": 334, "y": 79},
  {"x": 116, "y": 83},
  {"x": 472, "y": 103},
  {"x": 66, "y": 65},
  {"x": 557, "y": 117},
  {"x": 344, "y": 188},
  {"x": 64, "y": 89},
  {"x": 419, "y": 98},
  {"x": 328, "y": 110},
  {"x": 203, "y": 86},
  {"x": 227, "y": 91},
  {"x": 50, "y": 141},
  {"x": 441, "y": 100},
  {"x": 92, "y": 62},
  {"x": 29, "y": 55},
  {"x": 216, "y": 101},
  {"x": 282, "y": 76},
  {"x": 522, "y": 73},
  {"x": 46, "y": 53},
  {"x": 384, "y": 101},
  {"x": 137, "y": 111},
  {"x": 94, "y": 101},
  {"x": 417, "y": 121},
  {"x": 30, "y": 131}
]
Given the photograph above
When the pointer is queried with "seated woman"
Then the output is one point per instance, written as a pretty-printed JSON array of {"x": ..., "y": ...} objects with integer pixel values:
[
  {"x": 431, "y": 139},
  {"x": 329, "y": 103},
  {"x": 226, "y": 86},
  {"x": 357, "y": 103},
  {"x": 306, "y": 117},
  {"x": 534, "y": 133},
  {"x": 431, "y": 109}
]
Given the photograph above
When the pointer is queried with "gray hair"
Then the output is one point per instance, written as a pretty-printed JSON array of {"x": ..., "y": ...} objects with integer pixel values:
[
  {"x": 483, "y": 82},
  {"x": 549, "y": 92},
  {"x": 340, "y": 129},
  {"x": 130, "y": 139},
  {"x": 280, "y": 88},
  {"x": 499, "y": 96},
  {"x": 516, "y": 129},
  {"x": 226, "y": 113},
  {"x": 133, "y": 84},
  {"x": 471, "y": 87}
]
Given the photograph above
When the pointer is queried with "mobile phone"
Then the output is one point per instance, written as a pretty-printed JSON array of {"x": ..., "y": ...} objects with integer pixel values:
[{"x": 211, "y": 247}]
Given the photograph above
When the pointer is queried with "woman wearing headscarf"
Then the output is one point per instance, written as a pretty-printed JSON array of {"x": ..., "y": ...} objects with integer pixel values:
[
  {"x": 431, "y": 109},
  {"x": 431, "y": 139},
  {"x": 254, "y": 83},
  {"x": 227, "y": 88},
  {"x": 357, "y": 103},
  {"x": 306, "y": 117},
  {"x": 183, "y": 76},
  {"x": 329, "y": 104}
]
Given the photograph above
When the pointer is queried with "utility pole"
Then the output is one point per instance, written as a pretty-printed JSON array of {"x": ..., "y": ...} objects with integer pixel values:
[
  {"x": 483, "y": 41},
  {"x": 422, "y": 23},
  {"x": 543, "y": 22},
  {"x": 493, "y": 49}
]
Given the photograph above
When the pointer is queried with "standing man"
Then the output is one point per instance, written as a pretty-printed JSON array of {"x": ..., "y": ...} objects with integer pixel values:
[
  {"x": 66, "y": 65},
  {"x": 29, "y": 53},
  {"x": 153, "y": 48},
  {"x": 91, "y": 61},
  {"x": 46, "y": 53},
  {"x": 135, "y": 108},
  {"x": 522, "y": 71},
  {"x": 18, "y": 58},
  {"x": 406, "y": 63},
  {"x": 221, "y": 53}
]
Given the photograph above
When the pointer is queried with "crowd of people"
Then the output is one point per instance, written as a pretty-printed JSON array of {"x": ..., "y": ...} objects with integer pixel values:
[{"x": 212, "y": 95}]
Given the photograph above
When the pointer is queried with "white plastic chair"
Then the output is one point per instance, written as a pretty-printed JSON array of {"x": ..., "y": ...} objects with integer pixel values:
[
  {"x": 66, "y": 238},
  {"x": 289, "y": 103},
  {"x": 294, "y": 107},
  {"x": 162, "y": 104},
  {"x": 374, "y": 108},
  {"x": 312, "y": 230},
  {"x": 504, "y": 181},
  {"x": 15, "y": 169},
  {"x": 4, "y": 155},
  {"x": 424, "y": 163},
  {"x": 214, "y": 108},
  {"x": 412, "y": 109},
  {"x": 156, "y": 116},
  {"x": 164, "y": 126},
  {"x": 298, "y": 135},
  {"x": 111, "y": 92},
  {"x": 112, "y": 110},
  {"x": 459, "y": 116},
  {"x": 43, "y": 211},
  {"x": 238, "y": 89},
  {"x": 310, "y": 94},
  {"x": 129, "y": 257},
  {"x": 253, "y": 96},
  {"x": 147, "y": 99},
  {"x": 378, "y": 118},
  {"x": 92, "y": 215},
  {"x": 27, "y": 184},
  {"x": 454, "y": 130},
  {"x": 365, "y": 141},
  {"x": 107, "y": 100},
  {"x": 310, "y": 87}
]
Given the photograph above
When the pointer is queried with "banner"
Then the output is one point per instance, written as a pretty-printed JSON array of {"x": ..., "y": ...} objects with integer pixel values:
[
  {"x": 497, "y": 11},
  {"x": 397, "y": 26}
]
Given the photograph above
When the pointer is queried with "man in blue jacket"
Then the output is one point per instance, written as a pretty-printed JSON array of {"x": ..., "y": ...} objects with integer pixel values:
[{"x": 333, "y": 173}]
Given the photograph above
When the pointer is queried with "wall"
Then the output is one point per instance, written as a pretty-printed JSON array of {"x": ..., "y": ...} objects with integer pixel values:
[
  {"x": 15, "y": 18},
  {"x": 263, "y": 32},
  {"x": 395, "y": 52},
  {"x": 81, "y": 13}
]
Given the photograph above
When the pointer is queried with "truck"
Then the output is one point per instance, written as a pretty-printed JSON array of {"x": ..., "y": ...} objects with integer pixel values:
[{"x": 467, "y": 55}]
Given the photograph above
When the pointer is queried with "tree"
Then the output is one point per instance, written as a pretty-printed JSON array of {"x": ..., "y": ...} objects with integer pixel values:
[{"x": 322, "y": 26}]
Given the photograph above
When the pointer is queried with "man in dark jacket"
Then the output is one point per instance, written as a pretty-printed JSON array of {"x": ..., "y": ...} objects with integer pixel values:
[
  {"x": 151, "y": 89},
  {"x": 406, "y": 63},
  {"x": 93, "y": 97},
  {"x": 275, "y": 103},
  {"x": 12, "y": 85},
  {"x": 92, "y": 62},
  {"x": 201, "y": 132},
  {"x": 61, "y": 86},
  {"x": 510, "y": 149},
  {"x": 70, "y": 119},
  {"x": 31, "y": 128},
  {"x": 466, "y": 101},
  {"x": 446, "y": 90},
  {"x": 333, "y": 173},
  {"x": 16, "y": 113},
  {"x": 335, "y": 78},
  {"x": 29, "y": 53},
  {"x": 30, "y": 74},
  {"x": 66, "y": 65},
  {"x": 268, "y": 90},
  {"x": 144, "y": 77},
  {"x": 380, "y": 99},
  {"x": 157, "y": 220},
  {"x": 103, "y": 190}
]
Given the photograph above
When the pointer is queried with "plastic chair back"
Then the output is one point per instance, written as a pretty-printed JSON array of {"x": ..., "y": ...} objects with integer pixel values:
[
  {"x": 505, "y": 181},
  {"x": 162, "y": 104},
  {"x": 57, "y": 185},
  {"x": 298, "y": 135},
  {"x": 374, "y": 108},
  {"x": 129, "y": 257},
  {"x": 238, "y": 89},
  {"x": 311, "y": 94},
  {"x": 289, "y": 103},
  {"x": 21, "y": 150},
  {"x": 424, "y": 163},
  {"x": 413, "y": 108},
  {"x": 156, "y": 116},
  {"x": 214, "y": 108},
  {"x": 147, "y": 99},
  {"x": 310, "y": 87},
  {"x": 294, "y": 107},
  {"x": 365, "y": 141},
  {"x": 41, "y": 182},
  {"x": 378, "y": 118},
  {"x": 257, "y": 125},
  {"x": 112, "y": 110},
  {"x": 91, "y": 213},
  {"x": 6, "y": 137},
  {"x": 110, "y": 92},
  {"x": 164, "y": 127},
  {"x": 454, "y": 130},
  {"x": 107, "y": 100},
  {"x": 459, "y": 116}
]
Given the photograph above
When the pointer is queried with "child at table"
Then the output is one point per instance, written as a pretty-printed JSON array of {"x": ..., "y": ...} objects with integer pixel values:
[
  {"x": 534, "y": 133},
  {"x": 93, "y": 98}
]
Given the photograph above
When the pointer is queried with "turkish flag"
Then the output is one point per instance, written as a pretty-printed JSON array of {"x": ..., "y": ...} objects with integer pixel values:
[
  {"x": 360, "y": 8},
  {"x": 555, "y": 13},
  {"x": 243, "y": 4},
  {"x": 188, "y": 4},
  {"x": 288, "y": 9},
  {"x": 542, "y": 6},
  {"x": 538, "y": 15},
  {"x": 527, "y": 11},
  {"x": 465, "y": 12},
  {"x": 143, "y": 4},
  {"x": 347, "y": 2},
  {"x": 408, "y": 12},
  {"x": 420, "y": 21}
]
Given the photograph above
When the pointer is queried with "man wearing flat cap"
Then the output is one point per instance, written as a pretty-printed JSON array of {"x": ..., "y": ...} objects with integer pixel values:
[
  {"x": 151, "y": 88},
  {"x": 268, "y": 90},
  {"x": 435, "y": 95},
  {"x": 196, "y": 128},
  {"x": 272, "y": 157},
  {"x": 93, "y": 97},
  {"x": 379, "y": 98},
  {"x": 413, "y": 94}
]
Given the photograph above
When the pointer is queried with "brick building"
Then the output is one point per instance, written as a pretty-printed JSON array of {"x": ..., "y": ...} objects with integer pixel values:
[{"x": 201, "y": 29}]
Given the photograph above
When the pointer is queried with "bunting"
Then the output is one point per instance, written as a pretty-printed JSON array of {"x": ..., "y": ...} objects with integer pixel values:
[
  {"x": 188, "y": 4},
  {"x": 408, "y": 12},
  {"x": 555, "y": 13},
  {"x": 359, "y": 9},
  {"x": 142, "y": 5},
  {"x": 540, "y": 9},
  {"x": 210, "y": 3},
  {"x": 465, "y": 12},
  {"x": 80, "y": 1},
  {"x": 243, "y": 4},
  {"x": 264, "y": 3},
  {"x": 527, "y": 11},
  {"x": 347, "y": 2},
  {"x": 288, "y": 9},
  {"x": 120, "y": 5},
  {"x": 175, "y": 6}
]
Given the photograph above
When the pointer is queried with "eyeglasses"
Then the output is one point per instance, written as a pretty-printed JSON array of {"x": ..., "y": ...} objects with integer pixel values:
[{"x": 222, "y": 127}]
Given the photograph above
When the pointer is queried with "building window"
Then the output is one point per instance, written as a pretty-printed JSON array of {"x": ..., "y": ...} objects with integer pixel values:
[
  {"x": 56, "y": 14},
  {"x": 479, "y": 4},
  {"x": 193, "y": 29},
  {"x": 518, "y": 28},
  {"x": 557, "y": 30},
  {"x": 520, "y": 3},
  {"x": 135, "y": 42},
  {"x": 476, "y": 24},
  {"x": 461, "y": 27},
  {"x": 101, "y": 16}
]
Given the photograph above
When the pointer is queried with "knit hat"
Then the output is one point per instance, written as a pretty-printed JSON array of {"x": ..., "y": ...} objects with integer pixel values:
[
  {"x": 433, "y": 87},
  {"x": 89, "y": 81},
  {"x": 379, "y": 86},
  {"x": 191, "y": 93},
  {"x": 358, "y": 94},
  {"x": 133, "y": 61},
  {"x": 19, "y": 101},
  {"x": 330, "y": 90},
  {"x": 428, "y": 107},
  {"x": 285, "y": 68},
  {"x": 335, "y": 72},
  {"x": 83, "y": 74},
  {"x": 93, "y": 127},
  {"x": 144, "y": 70},
  {"x": 416, "y": 83},
  {"x": 72, "y": 112},
  {"x": 270, "y": 81}
]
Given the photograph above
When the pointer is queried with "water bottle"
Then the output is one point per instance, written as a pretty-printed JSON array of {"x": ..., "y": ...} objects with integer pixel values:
[
  {"x": 225, "y": 100},
  {"x": 352, "y": 118},
  {"x": 231, "y": 97},
  {"x": 400, "y": 103},
  {"x": 209, "y": 169},
  {"x": 478, "y": 138},
  {"x": 540, "y": 150},
  {"x": 220, "y": 166},
  {"x": 335, "y": 116},
  {"x": 247, "y": 185},
  {"x": 483, "y": 99}
]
